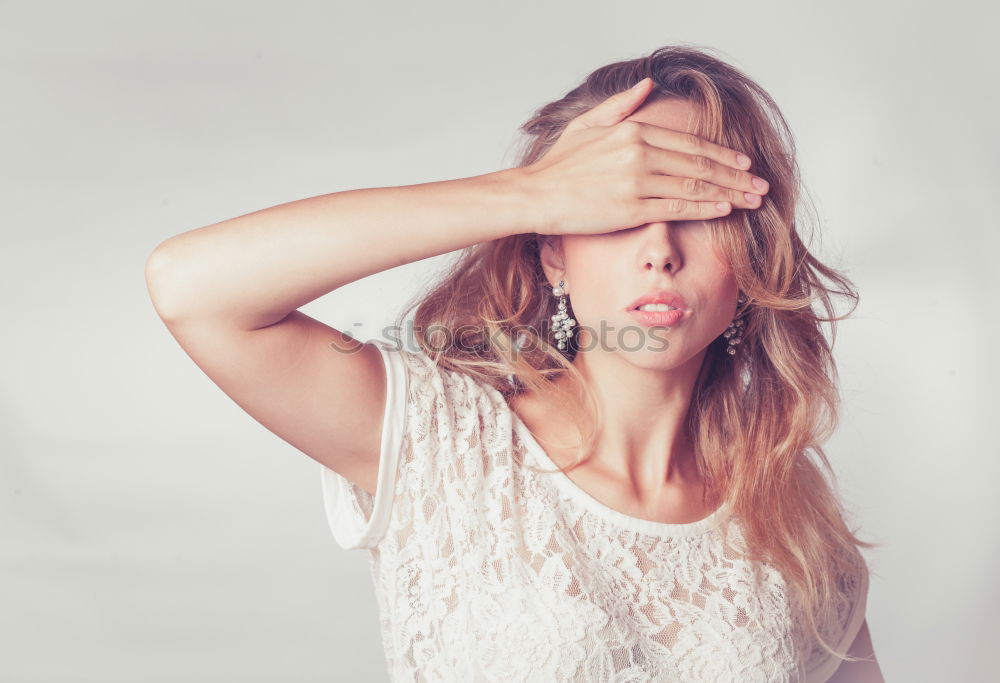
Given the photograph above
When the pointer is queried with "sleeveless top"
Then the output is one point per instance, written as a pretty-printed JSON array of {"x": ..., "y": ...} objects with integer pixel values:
[{"x": 485, "y": 570}]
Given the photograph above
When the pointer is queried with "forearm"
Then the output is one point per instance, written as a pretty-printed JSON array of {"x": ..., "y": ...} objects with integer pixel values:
[{"x": 252, "y": 270}]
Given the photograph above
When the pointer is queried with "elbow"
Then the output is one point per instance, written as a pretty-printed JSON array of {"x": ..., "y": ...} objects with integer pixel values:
[{"x": 159, "y": 275}]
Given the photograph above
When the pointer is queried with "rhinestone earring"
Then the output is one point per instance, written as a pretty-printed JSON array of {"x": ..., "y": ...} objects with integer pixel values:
[
  {"x": 561, "y": 322},
  {"x": 734, "y": 333}
]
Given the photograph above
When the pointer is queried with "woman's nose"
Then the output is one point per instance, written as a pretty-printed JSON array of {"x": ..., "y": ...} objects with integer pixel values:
[{"x": 658, "y": 251}]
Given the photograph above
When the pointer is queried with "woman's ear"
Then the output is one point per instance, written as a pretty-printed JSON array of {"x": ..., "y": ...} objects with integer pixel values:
[{"x": 550, "y": 253}]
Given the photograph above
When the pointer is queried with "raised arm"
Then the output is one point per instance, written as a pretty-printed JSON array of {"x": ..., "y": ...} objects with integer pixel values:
[
  {"x": 228, "y": 293},
  {"x": 253, "y": 270}
]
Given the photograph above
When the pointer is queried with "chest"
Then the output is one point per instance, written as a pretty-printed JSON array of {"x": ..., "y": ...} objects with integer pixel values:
[{"x": 596, "y": 607}]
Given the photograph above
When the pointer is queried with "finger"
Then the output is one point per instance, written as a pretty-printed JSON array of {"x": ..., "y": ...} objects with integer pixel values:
[
  {"x": 615, "y": 108},
  {"x": 691, "y": 144},
  {"x": 675, "y": 209},
  {"x": 684, "y": 164},
  {"x": 656, "y": 186}
]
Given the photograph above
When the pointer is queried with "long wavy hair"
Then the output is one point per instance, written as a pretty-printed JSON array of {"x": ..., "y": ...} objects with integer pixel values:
[{"x": 757, "y": 418}]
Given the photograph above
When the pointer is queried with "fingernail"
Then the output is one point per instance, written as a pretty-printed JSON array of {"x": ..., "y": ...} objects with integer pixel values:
[
  {"x": 759, "y": 184},
  {"x": 640, "y": 83},
  {"x": 743, "y": 160}
]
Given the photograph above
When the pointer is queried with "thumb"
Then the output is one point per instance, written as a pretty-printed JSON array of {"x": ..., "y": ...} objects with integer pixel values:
[{"x": 615, "y": 108}]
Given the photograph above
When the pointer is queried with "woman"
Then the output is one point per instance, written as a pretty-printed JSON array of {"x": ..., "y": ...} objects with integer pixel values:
[{"x": 599, "y": 463}]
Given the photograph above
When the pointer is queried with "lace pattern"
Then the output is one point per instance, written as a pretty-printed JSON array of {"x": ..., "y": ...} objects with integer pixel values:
[{"x": 485, "y": 570}]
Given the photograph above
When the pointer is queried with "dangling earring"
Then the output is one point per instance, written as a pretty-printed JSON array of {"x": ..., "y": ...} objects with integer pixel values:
[
  {"x": 734, "y": 333},
  {"x": 561, "y": 322}
]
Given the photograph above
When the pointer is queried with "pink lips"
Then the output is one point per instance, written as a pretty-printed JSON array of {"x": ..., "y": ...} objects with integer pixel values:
[{"x": 659, "y": 318}]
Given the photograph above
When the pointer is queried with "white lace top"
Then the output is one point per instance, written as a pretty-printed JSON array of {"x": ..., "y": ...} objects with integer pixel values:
[{"x": 485, "y": 570}]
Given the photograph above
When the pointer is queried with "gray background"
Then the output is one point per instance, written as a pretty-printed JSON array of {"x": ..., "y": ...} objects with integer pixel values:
[{"x": 152, "y": 531}]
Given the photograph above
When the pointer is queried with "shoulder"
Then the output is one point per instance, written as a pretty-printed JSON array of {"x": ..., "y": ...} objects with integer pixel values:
[
  {"x": 443, "y": 439},
  {"x": 423, "y": 369},
  {"x": 850, "y": 603},
  {"x": 439, "y": 400}
]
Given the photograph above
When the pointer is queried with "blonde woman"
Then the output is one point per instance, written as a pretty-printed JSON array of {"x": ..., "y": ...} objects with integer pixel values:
[{"x": 597, "y": 453}]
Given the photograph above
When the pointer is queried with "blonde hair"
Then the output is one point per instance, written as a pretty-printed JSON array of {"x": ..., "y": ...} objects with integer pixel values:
[{"x": 757, "y": 419}]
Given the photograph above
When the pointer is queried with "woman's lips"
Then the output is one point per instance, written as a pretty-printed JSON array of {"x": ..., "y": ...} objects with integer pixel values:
[{"x": 658, "y": 318}]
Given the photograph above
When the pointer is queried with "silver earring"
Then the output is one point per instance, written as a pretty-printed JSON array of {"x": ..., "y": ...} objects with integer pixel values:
[
  {"x": 561, "y": 322},
  {"x": 734, "y": 333}
]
